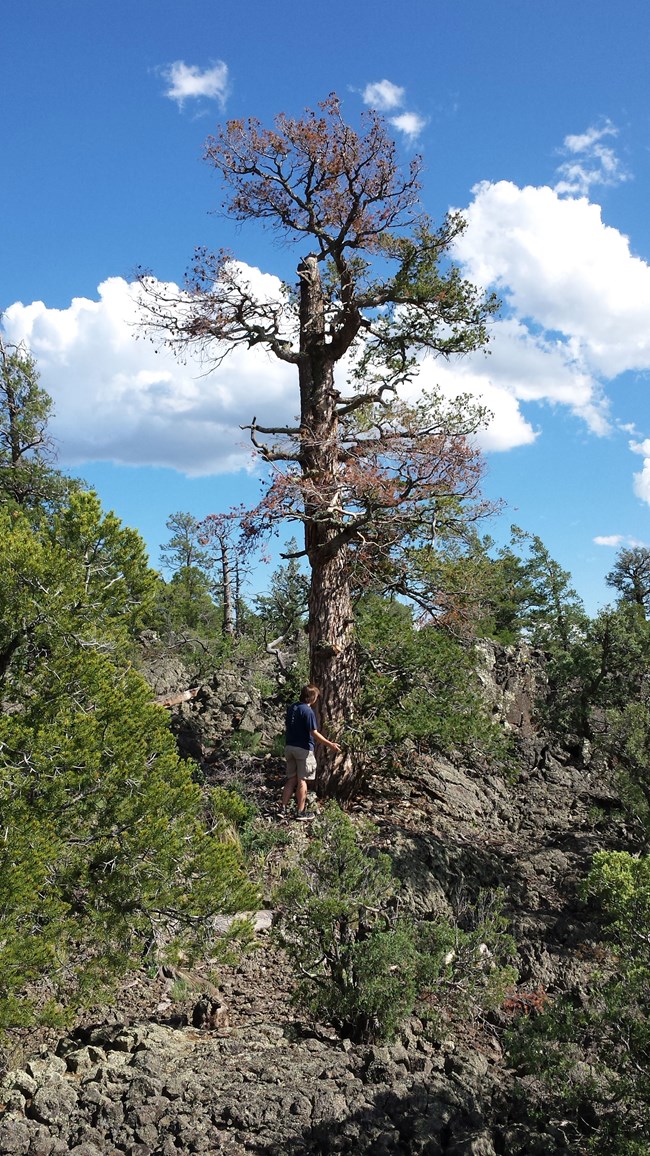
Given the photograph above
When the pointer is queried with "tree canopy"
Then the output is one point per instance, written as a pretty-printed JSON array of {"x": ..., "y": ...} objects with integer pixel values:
[
  {"x": 28, "y": 477},
  {"x": 631, "y": 576}
]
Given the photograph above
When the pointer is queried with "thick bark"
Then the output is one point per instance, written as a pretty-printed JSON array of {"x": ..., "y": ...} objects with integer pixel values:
[
  {"x": 334, "y": 667},
  {"x": 333, "y": 657}
]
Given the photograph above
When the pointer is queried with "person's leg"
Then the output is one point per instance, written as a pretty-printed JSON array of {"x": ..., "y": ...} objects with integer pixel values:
[
  {"x": 297, "y": 764},
  {"x": 301, "y": 795},
  {"x": 292, "y": 776},
  {"x": 289, "y": 788}
]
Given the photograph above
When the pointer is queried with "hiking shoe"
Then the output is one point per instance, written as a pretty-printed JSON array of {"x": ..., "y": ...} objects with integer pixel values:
[{"x": 301, "y": 817}]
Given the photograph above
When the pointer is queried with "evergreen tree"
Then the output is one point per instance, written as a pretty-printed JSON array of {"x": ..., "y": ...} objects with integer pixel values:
[
  {"x": 360, "y": 468},
  {"x": 594, "y": 1058},
  {"x": 106, "y": 849},
  {"x": 551, "y": 613},
  {"x": 456, "y": 581},
  {"x": 106, "y": 852},
  {"x": 284, "y": 608},
  {"x": 28, "y": 478},
  {"x": 184, "y": 553},
  {"x": 363, "y": 964},
  {"x": 419, "y": 689},
  {"x": 79, "y": 581},
  {"x": 631, "y": 577}
]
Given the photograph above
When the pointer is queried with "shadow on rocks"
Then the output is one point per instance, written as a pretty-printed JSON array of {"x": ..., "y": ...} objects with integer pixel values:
[{"x": 439, "y": 1118}]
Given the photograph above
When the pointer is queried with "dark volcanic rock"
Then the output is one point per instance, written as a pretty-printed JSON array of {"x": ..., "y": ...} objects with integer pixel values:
[
  {"x": 258, "y": 1088},
  {"x": 263, "y": 1079}
]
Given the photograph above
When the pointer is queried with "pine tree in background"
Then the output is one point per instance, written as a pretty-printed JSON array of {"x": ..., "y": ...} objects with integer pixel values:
[{"x": 28, "y": 477}]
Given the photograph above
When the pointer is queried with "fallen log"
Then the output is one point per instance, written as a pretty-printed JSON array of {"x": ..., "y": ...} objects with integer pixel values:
[{"x": 176, "y": 699}]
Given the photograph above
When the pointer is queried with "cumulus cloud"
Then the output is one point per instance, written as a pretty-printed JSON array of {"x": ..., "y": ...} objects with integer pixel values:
[
  {"x": 506, "y": 426},
  {"x": 612, "y": 540},
  {"x": 117, "y": 399},
  {"x": 576, "y": 300},
  {"x": 590, "y": 162},
  {"x": 189, "y": 82},
  {"x": 408, "y": 123},
  {"x": 555, "y": 261},
  {"x": 642, "y": 478},
  {"x": 576, "y": 303},
  {"x": 384, "y": 96},
  {"x": 615, "y": 540}
]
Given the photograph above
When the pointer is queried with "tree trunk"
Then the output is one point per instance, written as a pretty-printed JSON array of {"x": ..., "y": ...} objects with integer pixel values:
[
  {"x": 333, "y": 657},
  {"x": 237, "y": 599},
  {"x": 333, "y": 668},
  {"x": 228, "y": 627}
]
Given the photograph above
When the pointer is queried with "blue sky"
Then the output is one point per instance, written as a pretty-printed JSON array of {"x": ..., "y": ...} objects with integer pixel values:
[{"x": 532, "y": 116}]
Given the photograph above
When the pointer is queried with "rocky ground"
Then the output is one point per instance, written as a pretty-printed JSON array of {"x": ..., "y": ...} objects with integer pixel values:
[{"x": 242, "y": 1071}]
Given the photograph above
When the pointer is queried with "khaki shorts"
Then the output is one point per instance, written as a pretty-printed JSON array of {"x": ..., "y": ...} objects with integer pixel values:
[{"x": 300, "y": 763}]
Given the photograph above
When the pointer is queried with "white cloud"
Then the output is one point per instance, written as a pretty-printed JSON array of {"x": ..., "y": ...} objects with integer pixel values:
[
  {"x": 117, "y": 399},
  {"x": 585, "y": 141},
  {"x": 576, "y": 300},
  {"x": 383, "y": 95},
  {"x": 614, "y": 540},
  {"x": 642, "y": 447},
  {"x": 642, "y": 482},
  {"x": 555, "y": 261},
  {"x": 507, "y": 427},
  {"x": 642, "y": 479},
  {"x": 189, "y": 82},
  {"x": 408, "y": 123},
  {"x": 576, "y": 307},
  {"x": 537, "y": 367},
  {"x": 591, "y": 162}
]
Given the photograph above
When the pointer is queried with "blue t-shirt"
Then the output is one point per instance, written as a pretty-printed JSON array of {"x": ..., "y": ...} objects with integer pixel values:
[{"x": 301, "y": 721}]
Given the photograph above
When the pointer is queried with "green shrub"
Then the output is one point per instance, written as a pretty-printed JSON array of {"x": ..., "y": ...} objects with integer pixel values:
[
  {"x": 238, "y": 816},
  {"x": 594, "y": 1061},
  {"x": 339, "y": 925},
  {"x": 419, "y": 685},
  {"x": 364, "y": 967},
  {"x": 466, "y": 963},
  {"x": 242, "y": 743},
  {"x": 232, "y": 806},
  {"x": 106, "y": 853}
]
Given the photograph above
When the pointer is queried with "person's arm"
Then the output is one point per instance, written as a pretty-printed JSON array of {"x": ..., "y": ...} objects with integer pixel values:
[{"x": 326, "y": 742}]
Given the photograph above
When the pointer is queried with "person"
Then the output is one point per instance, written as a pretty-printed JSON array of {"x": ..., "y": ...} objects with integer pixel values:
[{"x": 302, "y": 734}]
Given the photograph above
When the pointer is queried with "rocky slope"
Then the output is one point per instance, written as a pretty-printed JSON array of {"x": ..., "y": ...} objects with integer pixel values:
[{"x": 155, "y": 1075}]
